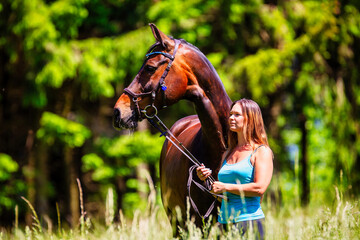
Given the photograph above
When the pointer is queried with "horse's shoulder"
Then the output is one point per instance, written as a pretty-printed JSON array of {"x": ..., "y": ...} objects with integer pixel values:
[
  {"x": 183, "y": 124},
  {"x": 184, "y": 129}
]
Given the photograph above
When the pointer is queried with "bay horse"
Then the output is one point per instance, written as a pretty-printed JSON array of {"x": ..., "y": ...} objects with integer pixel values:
[{"x": 175, "y": 70}]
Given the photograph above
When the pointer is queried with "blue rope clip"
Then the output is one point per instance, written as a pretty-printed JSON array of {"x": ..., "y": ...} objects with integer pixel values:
[{"x": 163, "y": 87}]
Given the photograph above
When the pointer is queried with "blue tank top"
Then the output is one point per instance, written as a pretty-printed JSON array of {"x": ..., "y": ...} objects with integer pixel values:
[{"x": 238, "y": 208}]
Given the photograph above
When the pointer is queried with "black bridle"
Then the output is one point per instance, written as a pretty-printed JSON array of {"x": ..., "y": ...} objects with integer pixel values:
[{"x": 161, "y": 86}]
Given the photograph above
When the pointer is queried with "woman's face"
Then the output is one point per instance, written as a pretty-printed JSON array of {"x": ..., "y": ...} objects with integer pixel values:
[{"x": 236, "y": 119}]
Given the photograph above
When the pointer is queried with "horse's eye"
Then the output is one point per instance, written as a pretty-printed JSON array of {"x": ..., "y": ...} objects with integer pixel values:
[{"x": 150, "y": 69}]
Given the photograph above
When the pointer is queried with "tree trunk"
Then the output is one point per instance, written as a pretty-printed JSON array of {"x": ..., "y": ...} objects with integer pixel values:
[
  {"x": 304, "y": 162},
  {"x": 74, "y": 208},
  {"x": 29, "y": 175},
  {"x": 41, "y": 171}
]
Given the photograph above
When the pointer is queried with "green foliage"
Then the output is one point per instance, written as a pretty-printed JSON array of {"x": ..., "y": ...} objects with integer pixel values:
[
  {"x": 136, "y": 148},
  {"x": 9, "y": 186},
  {"x": 7, "y": 166},
  {"x": 54, "y": 127},
  {"x": 68, "y": 15},
  {"x": 125, "y": 157},
  {"x": 62, "y": 66},
  {"x": 34, "y": 24},
  {"x": 91, "y": 161},
  {"x": 100, "y": 75},
  {"x": 188, "y": 18},
  {"x": 276, "y": 72},
  {"x": 94, "y": 64},
  {"x": 125, "y": 153}
]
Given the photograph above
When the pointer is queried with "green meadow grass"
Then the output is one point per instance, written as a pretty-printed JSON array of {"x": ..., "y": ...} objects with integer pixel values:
[{"x": 340, "y": 220}]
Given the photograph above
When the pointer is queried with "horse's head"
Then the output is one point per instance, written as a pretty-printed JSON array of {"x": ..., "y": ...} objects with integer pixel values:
[{"x": 161, "y": 81}]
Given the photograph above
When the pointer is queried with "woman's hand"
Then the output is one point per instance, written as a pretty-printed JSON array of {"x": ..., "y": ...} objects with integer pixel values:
[
  {"x": 218, "y": 187},
  {"x": 203, "y": 173}
]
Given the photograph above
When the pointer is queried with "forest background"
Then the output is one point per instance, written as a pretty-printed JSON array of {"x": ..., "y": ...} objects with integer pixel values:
[{"x": 64, "y": 63}]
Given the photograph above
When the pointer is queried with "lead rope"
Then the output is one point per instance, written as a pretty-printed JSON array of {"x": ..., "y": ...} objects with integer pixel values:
[
  {"x": 191, "y": 180},
  {"x": 160, "y": 126}
]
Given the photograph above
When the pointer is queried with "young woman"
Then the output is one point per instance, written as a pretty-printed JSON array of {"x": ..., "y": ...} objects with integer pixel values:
[{"x": 246, "y": 170}]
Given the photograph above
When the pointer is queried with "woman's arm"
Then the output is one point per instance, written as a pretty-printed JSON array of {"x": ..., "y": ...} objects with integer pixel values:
[
  {"x": 203, "y": 173},
  {"x": 263, "y": 173}
]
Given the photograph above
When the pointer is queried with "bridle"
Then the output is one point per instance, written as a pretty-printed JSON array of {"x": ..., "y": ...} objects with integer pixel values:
[{"x": 161, "y": 86}]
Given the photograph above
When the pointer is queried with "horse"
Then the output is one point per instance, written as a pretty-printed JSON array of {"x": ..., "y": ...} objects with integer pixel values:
[{"x": 173, "y": 70}]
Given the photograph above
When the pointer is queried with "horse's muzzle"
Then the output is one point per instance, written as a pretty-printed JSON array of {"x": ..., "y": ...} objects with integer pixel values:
[{"x": 121, "y": 123}]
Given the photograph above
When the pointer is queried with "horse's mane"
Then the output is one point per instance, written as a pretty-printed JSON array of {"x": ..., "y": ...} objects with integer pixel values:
[
  {"x": 183, "y": 41},
  {"x": 189, "y": 44},
  {"x": 196, "y": 49}
]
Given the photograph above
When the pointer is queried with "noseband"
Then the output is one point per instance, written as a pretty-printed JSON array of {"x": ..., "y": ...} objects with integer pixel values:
[{"x": 136, "y": 97}]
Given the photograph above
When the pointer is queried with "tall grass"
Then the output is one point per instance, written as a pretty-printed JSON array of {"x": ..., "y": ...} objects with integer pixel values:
[{"x": 341, "y": 220}]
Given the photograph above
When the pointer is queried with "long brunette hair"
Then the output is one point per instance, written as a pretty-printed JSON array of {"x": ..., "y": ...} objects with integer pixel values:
[{"x": 254, "y": 129}]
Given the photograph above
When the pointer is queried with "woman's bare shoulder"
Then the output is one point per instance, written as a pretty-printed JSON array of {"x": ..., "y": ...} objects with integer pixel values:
[{"x": 265, "y": 151}]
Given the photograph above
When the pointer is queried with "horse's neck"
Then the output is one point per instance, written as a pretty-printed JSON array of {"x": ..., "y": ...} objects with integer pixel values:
[
  {"x": 218, "y": 101},
  {"x": 212, "y": 104}
]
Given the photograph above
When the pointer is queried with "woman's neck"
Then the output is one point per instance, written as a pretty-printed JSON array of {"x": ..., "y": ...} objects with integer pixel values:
[
  {"x": 243, "y": 144},
  {"x": 241, "y": 140}
]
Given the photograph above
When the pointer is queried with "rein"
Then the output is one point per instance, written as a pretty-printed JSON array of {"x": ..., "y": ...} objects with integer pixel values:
[{"x": 159, "y": 125}]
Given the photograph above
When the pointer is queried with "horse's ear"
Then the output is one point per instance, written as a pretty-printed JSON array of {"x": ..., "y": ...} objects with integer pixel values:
[{"x": 160, "y": 36}]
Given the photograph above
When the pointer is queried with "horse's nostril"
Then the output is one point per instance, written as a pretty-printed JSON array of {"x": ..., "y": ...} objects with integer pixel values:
[{"x": 117, "y": 115}]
